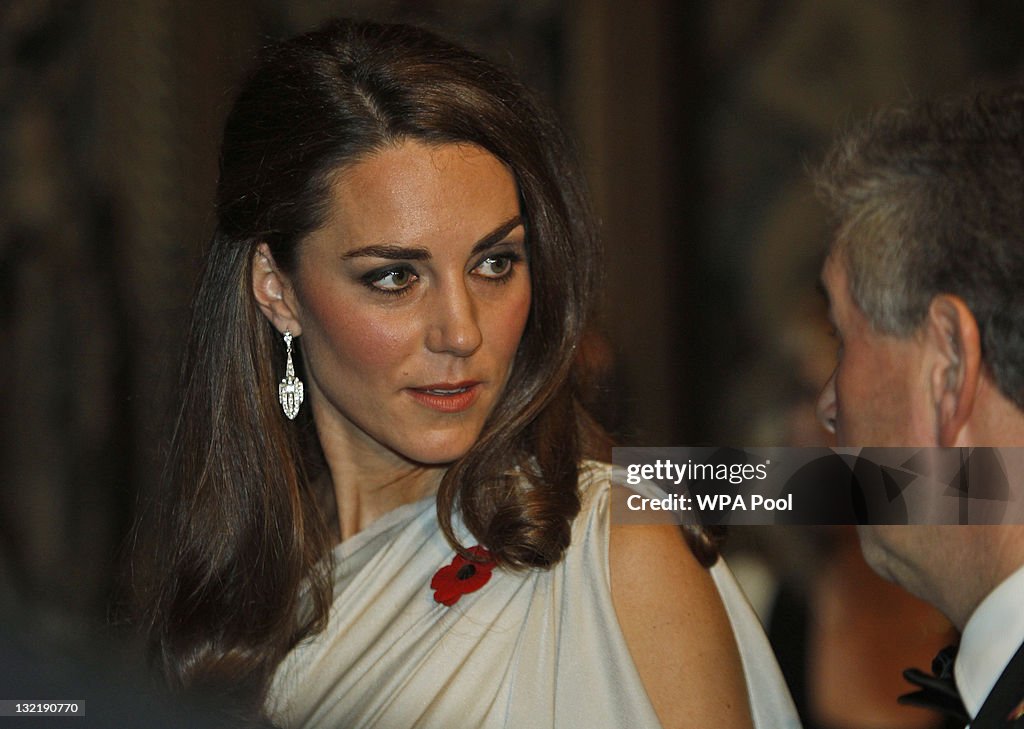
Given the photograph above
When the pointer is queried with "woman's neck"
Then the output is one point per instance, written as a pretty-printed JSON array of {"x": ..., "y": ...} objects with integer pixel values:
[
  {"x": 363, "y": 497},
  {"x": 369, "y": 480}
]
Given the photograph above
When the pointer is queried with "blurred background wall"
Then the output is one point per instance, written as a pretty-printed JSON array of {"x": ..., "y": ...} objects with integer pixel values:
[{"x": 696, "y": 123}]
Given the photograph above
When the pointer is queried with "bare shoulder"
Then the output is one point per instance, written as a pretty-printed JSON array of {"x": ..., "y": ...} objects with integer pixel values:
[{"x": 676, "y": 628}]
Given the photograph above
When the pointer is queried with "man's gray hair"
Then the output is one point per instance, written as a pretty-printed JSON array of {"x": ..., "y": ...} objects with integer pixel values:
[{"x": 929, "y": 199}]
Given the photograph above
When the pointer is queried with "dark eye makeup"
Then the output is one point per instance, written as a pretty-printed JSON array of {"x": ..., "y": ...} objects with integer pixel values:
[
  {"x": 399, "y": 279},
  {"x": 390, "y": 280}
]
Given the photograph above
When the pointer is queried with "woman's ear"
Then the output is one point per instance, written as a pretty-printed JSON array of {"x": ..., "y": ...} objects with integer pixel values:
[
  {"x": 273, "y": 292},
  {"x": 952, "y": 337}
]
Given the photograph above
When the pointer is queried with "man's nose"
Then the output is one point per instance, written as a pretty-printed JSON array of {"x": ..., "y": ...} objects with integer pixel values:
[{"x": 826, "y": 408}]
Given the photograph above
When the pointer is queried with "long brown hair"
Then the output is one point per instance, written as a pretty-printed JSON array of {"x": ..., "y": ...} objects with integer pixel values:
[{"x": 237, "y": 531}]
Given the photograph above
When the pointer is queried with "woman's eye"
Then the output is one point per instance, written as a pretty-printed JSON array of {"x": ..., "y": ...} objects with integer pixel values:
[
  {"x": 393, "y": 280},
  {"x": 496, "y": 266}
]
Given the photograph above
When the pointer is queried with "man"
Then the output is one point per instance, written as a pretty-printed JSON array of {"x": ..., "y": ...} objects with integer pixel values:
[{"x": 925, "y": 279}]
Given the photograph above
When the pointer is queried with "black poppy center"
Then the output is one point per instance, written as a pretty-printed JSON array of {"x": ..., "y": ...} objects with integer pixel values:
[{"x": 466, "y": 571}]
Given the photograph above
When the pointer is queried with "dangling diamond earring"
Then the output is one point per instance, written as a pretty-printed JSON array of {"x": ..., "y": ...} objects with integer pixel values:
[{"x": 289, "y": 392}]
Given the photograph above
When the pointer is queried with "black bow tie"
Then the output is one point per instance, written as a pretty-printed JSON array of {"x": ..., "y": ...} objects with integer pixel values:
[{"x": 938, "y": 691}]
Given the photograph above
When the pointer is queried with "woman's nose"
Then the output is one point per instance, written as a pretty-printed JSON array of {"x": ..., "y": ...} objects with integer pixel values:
[{"x": 456, "y": 327}]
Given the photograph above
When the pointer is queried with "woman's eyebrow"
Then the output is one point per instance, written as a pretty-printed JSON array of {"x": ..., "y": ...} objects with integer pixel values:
[
  {"x": 403, "y": 253},
  {"x": 398, "y": 253},
  {"x": 496, "y": 235}
]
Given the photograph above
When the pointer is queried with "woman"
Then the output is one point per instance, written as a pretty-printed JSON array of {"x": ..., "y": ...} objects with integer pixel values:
[{"x": 377, "y": 511}]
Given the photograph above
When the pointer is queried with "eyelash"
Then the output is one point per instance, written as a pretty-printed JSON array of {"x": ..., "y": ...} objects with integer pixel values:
[
  {"x": 511, "y": 257},
  {"x": 373, "y": 278}
]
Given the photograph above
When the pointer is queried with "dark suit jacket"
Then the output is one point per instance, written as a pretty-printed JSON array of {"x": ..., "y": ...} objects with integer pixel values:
[{"x": 1004, "y": 707}]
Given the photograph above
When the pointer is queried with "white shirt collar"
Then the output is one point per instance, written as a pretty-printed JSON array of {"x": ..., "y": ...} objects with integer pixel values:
[{"x": 992, "y": 635}]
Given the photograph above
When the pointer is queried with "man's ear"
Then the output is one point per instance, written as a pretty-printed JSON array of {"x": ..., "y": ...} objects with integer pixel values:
[
  {"x": 951, "y": 335},
  {"x": 273, "y": 292}
]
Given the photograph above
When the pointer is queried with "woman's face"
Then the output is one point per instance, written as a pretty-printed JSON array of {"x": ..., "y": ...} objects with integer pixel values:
[{"x": 411, "y": 302}]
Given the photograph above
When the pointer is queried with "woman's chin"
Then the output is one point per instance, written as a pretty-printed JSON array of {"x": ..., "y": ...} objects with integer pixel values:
[{"x": 440, "y": 456}]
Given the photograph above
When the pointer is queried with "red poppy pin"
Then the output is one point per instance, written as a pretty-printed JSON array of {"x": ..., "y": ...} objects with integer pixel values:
[{"x": 462, "y": 576}]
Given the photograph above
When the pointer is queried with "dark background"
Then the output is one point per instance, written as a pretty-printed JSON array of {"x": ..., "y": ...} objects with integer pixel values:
[{"x": 696, "y": 122}]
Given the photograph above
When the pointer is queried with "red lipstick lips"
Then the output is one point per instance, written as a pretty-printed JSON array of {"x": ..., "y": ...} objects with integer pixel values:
[{"x": 446, "y": 397}]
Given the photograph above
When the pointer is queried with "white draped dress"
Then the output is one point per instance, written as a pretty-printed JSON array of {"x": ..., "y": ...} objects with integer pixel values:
[{"x": 532, "y": 649}]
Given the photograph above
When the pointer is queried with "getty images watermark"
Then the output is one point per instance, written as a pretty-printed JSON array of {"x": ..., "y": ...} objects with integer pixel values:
[{"x": 820, "y": 485}]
